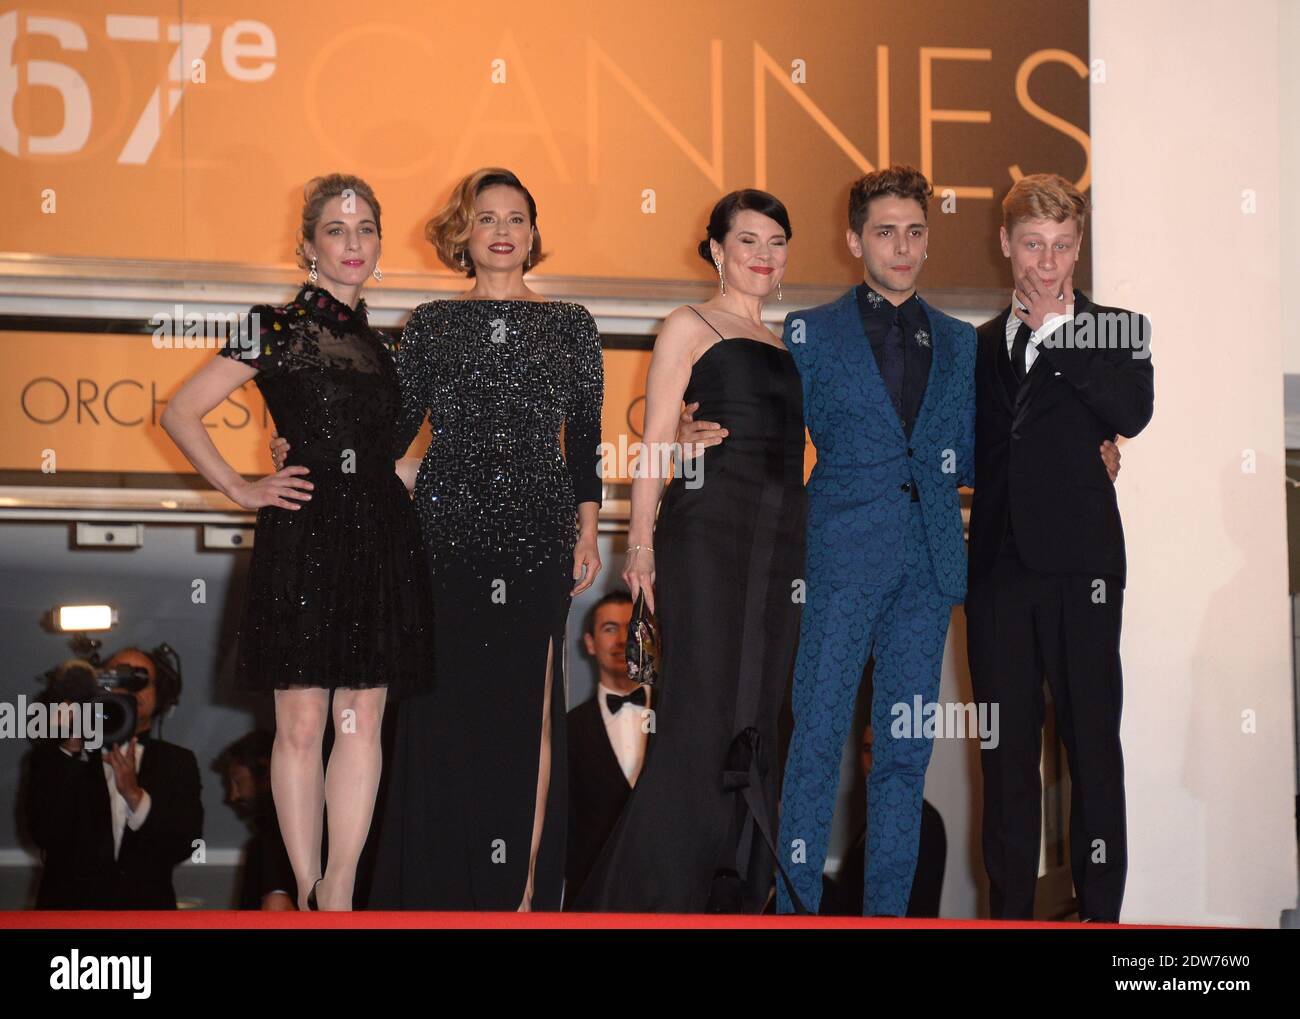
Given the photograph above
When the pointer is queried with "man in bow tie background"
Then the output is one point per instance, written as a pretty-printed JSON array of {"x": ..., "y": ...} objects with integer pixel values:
[{"x": 608, "y": 735}]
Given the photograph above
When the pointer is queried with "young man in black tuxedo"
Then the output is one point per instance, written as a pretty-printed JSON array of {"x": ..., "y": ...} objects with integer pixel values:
[
  {"x": 1056, "y": 376},
  {"x": 607, "y": 740},
  {"x": 114, "y": 822}
]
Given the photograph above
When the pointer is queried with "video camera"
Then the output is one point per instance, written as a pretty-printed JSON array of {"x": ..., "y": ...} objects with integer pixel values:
[
  {"x": 85, "y": 680},
  {"x": 80, "y": 681}
]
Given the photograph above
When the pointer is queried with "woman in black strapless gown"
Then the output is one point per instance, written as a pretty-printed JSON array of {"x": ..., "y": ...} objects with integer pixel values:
[{"x": 724, "y": 572}]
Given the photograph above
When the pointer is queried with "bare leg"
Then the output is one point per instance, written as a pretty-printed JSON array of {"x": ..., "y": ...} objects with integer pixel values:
[
  {"x": 543, "y": 782},
  {"x": 298, "y": 780},
  {"x": 351, "y": 782}
]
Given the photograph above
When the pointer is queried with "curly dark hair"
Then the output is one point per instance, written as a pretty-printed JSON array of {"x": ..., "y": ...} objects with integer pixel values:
[
  {"x": 252, "y": 750},
  {"x": 898, "y": 181}
]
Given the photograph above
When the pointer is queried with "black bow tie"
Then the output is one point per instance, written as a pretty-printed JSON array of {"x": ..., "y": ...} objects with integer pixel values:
[{"x": 615, "y": 702}]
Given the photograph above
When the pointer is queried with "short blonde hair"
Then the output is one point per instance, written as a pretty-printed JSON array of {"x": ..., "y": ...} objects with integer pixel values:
[
  {"x": 1044, "y": 196},
  {"x": 450, "y": 228}
]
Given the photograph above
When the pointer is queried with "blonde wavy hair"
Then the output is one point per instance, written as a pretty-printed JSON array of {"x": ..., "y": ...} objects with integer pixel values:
[{"x": 450, "y": 228}]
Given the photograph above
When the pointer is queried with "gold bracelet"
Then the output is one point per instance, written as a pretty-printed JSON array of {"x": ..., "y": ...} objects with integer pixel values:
[{"x": 634, "y": 548}]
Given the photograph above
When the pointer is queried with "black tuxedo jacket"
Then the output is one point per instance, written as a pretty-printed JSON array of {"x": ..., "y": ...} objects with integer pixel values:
[
  {"x": 1037, "y": 463},
  {"x": 69, "y": 817},
  {"x": 597, "y": 791}
]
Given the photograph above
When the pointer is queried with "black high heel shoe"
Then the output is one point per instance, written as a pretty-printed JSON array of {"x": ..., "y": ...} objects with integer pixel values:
[{"x": 311, "y": 897}]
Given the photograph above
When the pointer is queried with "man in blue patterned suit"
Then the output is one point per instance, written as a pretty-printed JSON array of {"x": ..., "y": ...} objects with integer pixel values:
[{"x": 889, "y": 400}]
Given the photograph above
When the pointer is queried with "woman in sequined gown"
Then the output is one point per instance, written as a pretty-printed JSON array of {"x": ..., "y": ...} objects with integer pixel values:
[
  {"x": 722, "y": 572},
  {"x": 476, "y": 810},
  {"x": 337, "y": 609}
]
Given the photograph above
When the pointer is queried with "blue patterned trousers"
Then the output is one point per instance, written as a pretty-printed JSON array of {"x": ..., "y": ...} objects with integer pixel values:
[{"x": 900, "y": 613}]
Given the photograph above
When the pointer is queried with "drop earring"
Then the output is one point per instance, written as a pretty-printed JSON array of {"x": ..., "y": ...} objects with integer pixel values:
[
  {"x": 462, "y": 258},
  {"x": 722, "y": 278},
  {"x": 778, "y": 292},
  {"x": 378, "y": 273},
  {"x": 313, "y": 275}
]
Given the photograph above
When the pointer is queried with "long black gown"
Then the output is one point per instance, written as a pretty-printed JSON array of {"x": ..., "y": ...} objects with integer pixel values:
[
  {"x": 497, "y": 501},
  {"x": 728, "y": 555}
]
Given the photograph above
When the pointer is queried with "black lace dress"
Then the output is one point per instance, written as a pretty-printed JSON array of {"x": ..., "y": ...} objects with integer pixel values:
[
  {"x": 338, "y": 591},
  {"x": 497, "y": 498}
]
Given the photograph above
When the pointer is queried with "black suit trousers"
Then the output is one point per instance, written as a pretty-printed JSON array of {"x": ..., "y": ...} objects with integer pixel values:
[{"x": 1022, "y": 625}]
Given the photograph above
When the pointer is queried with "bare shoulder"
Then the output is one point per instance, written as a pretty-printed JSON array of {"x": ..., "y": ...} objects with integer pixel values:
[
  {"x": 685, "y": 315},
  {"x": 682, "y": 334}
]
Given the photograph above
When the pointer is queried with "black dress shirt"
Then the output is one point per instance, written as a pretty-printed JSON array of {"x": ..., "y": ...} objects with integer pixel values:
[{"x": 879, "y": 318}]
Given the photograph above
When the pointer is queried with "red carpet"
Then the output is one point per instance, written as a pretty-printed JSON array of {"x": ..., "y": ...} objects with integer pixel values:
[{"x": 237, "y": 920}]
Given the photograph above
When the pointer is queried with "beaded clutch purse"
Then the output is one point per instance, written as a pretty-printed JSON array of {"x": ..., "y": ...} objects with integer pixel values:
[{"x": 642, "y": 645}]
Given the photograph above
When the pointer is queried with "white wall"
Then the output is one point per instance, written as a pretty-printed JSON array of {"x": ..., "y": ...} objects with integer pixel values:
[
  {"x": 1289, "y": 147},
  {"x": 1187, "y": 119}
]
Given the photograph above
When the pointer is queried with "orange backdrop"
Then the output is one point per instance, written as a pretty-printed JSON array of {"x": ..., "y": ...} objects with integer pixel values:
[
  {"x": 138, "y": 129},
  {"x": 143, "y": 129}
]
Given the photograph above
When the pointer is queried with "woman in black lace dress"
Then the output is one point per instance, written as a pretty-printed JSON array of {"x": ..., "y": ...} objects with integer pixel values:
[
  {"x": 338, "y": 603},
  {"x": 475, "y": 817}
]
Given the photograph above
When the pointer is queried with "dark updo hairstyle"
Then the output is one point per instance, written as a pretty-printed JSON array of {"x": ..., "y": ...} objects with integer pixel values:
[
  {"x": 448, "y": 231},
  {"x": 724, "y": 213},
  {"x": 320, "y": 190}
]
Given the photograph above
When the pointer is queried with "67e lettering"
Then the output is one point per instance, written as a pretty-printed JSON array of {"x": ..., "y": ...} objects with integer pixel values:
[{"x": 247, "y": 55}]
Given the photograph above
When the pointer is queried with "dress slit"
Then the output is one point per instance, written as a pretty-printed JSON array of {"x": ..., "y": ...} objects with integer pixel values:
[{"x": 540, "y": 798}]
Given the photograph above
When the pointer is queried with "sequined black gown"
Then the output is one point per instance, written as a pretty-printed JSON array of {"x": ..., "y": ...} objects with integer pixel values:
[
  {"x": 338, "y": 592},
  {"x": 729, "y": 553},
  {"x": 497, "y": 501}
]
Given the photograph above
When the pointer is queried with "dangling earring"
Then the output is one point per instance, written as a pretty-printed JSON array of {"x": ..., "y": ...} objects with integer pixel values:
[
  {"x": 927, "y": 255},
  {"x": 528, "y": 258},
  {"x": 778, "y": 292},
  {"x": 722, "y": 279},
  {"x": 378, "y": 273},
  {"x": 313, "y": 276},
  {"x": 462, "y": 258}
]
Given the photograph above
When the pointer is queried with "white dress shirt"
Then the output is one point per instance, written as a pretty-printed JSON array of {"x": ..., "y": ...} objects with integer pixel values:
[
  {"x": 123, "y": 816},
  {"x": 626, "y": 731},
  {"x": 1050, "y": 325}
]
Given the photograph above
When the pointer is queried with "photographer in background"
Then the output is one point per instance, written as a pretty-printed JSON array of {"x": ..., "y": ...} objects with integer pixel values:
[
  {"x": 113, "y": 822},
  {"x": 267, "y": 880}
]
